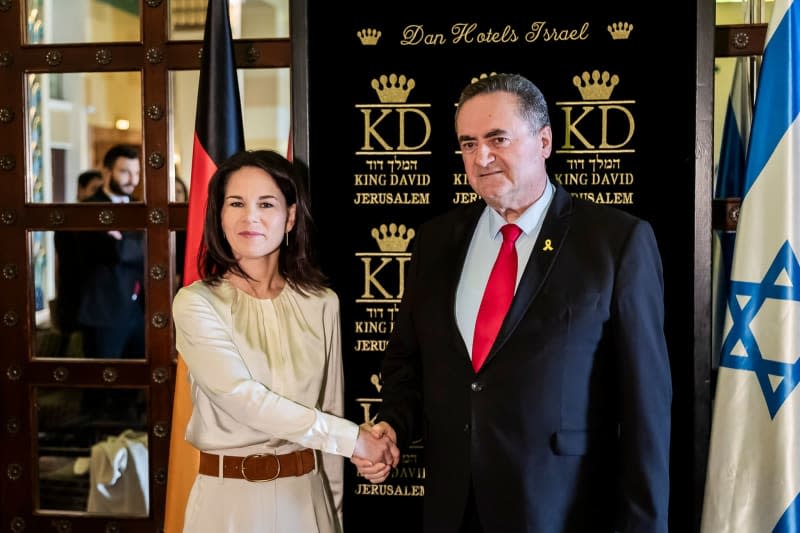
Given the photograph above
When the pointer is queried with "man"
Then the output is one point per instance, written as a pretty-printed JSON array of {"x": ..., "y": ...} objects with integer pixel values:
[
  {"x": 70, "y": 269},
  {"x": 565, "y": 427},
  {"x": 111, "y": 313},
  {"x": 88, "y": 183}
]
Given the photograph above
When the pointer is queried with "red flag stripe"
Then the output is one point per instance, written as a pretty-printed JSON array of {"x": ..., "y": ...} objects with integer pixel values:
[
  {"x": 203, "y": 167},
  {"x": 218, "y": 135}
]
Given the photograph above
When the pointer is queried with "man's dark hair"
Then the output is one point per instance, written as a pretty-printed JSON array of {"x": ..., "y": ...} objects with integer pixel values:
[
  {"x": 121, "y": 150},
  {"x": 532, "y": 104},
  {"x": 86, "y": 177}
]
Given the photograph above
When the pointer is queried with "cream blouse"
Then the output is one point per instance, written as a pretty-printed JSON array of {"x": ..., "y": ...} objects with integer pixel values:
[{"x": 264, "y": 371}]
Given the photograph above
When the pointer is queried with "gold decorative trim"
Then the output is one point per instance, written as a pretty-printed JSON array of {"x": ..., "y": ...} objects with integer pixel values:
[
  {"x": 14, "y": 373},
  {"x": 18, "y": 524},
  {"x": 8, "y": 217},
  {"x": 155, "y": 55},
  {"x": 156, "y": 216},
  {"x": 103, "y": 56},
  {"x": 61, "y": 374},
  {"x": 155, "y": 160},
  {"x": 110, "y": 374},
  {"x": 10, "y": 319},
  {"x": 10, "y": 271},
  {"x": 106, "y": 216},
  {"x": 160, "y": 375},
  {"x": 53, "y": 58},
  {"x": 740, "y": 39},
  {"x": 6, "y": 115},
  {"x": 56, "y": 217},
  {"x": 6, "y": 58},
  {"x": 252, "y": 54},
  {"x": 14, "y": 471},
  {"x": 154, "y": 112},
  {"x": 7, "y": 162},
  {"x": 12, "y": 426},
  {"x": 158, "y": 272},
  {"x": 160, "y": 429},
  {"x": 159, "y": 320}
]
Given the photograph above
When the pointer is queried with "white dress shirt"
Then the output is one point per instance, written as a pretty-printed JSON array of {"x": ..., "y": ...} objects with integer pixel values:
[{"x": 483, "y": 250}]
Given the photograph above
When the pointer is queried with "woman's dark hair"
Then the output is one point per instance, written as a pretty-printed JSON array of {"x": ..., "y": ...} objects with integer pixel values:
[{"x": 296, "y": 261}]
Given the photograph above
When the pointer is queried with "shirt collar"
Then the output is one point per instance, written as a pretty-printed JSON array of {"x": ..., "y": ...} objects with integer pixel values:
[{"x": 116, "y": 198}]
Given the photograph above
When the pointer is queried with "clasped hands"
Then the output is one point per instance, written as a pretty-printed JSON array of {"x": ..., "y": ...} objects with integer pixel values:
[{"x": 376, "y": 451}]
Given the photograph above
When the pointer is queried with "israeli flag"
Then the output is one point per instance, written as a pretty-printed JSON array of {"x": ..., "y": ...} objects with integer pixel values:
[
  {"x": 729, "y": 183},
  {"x": 735, "y": 134},
  {"x": 753, "y": 480}
]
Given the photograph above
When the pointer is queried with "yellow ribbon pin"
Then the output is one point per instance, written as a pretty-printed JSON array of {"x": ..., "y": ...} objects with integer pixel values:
[{"x": 548, "y": 246}]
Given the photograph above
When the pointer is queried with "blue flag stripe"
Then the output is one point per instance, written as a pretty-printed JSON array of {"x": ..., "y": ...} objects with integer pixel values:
[
  {"x": 790, "y": 520},
  {"x": 731, "y": 158},
  {"x": 784, "y": 98}
]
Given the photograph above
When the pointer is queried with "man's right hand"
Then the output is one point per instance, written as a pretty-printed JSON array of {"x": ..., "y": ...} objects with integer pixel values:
[{"x": 376, "y": 452}]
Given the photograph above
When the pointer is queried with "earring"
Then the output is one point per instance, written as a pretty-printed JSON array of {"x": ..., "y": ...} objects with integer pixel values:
[{"x": 287, "y": 239}]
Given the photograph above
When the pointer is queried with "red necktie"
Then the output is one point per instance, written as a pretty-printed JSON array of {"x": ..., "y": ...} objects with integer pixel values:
[{"x": 497, "y": 296}]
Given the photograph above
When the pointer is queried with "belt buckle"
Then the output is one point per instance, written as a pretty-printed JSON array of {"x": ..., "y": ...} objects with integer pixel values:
[{"x": 256, "y": 456}]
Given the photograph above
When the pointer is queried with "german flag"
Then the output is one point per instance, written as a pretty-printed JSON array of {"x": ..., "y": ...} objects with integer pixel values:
[{"x": 218, "y": 135}]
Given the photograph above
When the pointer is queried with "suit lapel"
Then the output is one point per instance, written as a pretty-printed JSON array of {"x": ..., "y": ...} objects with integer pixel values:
[{"x": 548, "y": 244}]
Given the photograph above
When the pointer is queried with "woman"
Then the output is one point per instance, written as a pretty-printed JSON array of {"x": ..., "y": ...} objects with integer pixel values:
[{"x": 260, "y": 337}]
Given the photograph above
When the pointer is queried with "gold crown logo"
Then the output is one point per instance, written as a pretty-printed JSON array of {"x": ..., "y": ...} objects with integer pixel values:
[
  {"x": 393, "y": 89},
  {"x": 369, "y": 36},
  {"x": 598, "y": 86},
  {"x": 620, "y": 30},
  {"x": 482, "y": 76},
  {"x": 393, "y": 238}
]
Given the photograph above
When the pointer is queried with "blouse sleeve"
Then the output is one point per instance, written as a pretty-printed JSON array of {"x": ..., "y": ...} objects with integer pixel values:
[
  {"x": 333, "y": 397},
  {"x": 220, "y": 372}
]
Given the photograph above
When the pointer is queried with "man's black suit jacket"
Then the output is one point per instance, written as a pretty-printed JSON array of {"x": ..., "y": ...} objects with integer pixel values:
[{"x": 113, "y": 282}]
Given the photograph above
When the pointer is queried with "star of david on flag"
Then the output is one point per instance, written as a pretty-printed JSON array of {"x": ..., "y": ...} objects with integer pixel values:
[
  {"x": 777, "y": 378},
  {"x": 753, "y": 477}
]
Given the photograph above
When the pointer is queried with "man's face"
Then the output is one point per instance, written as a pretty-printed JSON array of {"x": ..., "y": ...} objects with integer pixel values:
[
  {"x": 504, "y": 160},
  {"x": 123, "y": 176}
]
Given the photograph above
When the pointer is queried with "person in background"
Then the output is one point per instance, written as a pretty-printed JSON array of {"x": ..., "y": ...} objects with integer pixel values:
[
  {"x": 181, "y": 196},
  {"x": 181, "y": 191},
  {"x": 557, "y": 418},
  {"x": 260, "y": 335},
  {"x": 111, "y": 311},
  {"x": 70, "y": 271},
  {"x": 88, "y": 184}
]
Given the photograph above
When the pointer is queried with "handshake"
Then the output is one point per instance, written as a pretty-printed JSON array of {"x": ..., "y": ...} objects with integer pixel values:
[{"x": 376, "y": 451}]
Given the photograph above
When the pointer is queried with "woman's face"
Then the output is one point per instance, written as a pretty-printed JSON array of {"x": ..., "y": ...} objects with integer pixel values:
[{"x": 255, "y": 217}]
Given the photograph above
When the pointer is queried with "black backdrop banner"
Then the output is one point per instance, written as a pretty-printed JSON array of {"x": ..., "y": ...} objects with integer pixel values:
[{"x": 383, "y": 86}]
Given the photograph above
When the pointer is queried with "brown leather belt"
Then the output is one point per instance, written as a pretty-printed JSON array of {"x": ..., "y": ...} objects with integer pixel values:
[{"x": 258, "y": 467}]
